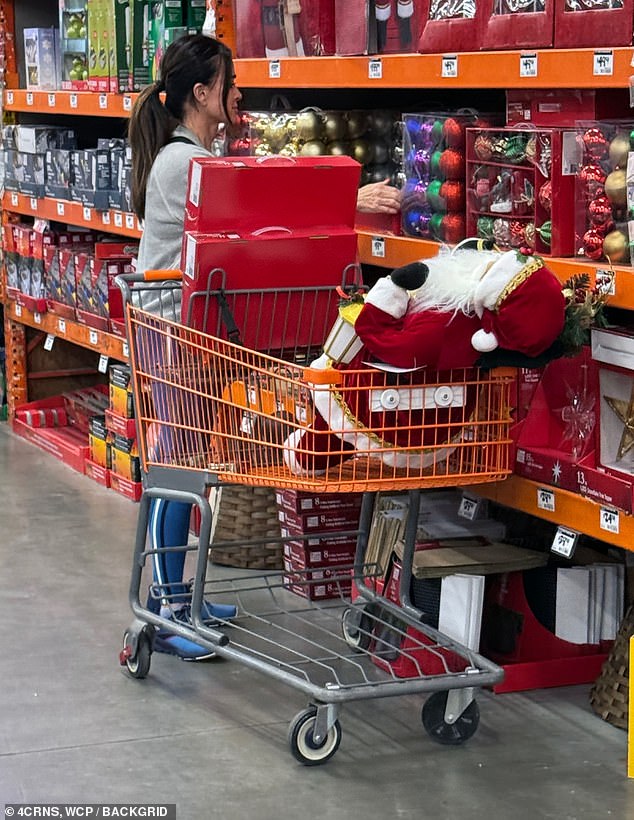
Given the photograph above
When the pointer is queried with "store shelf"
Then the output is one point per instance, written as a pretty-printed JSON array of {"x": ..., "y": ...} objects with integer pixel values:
[
  {"x": 73, "y": 213},
  {"x": 569, "y": 509},
  {"x": 555, "y": 68},
  {"x": 104, "y": 343},
  {"x": 75, "y": 103},
  {"x": 394, "y": 251}
]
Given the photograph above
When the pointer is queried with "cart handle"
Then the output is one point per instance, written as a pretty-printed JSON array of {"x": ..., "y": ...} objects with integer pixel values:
[
  {"x": 327, "y": 375},
  {"x": 160, "y": 275}
]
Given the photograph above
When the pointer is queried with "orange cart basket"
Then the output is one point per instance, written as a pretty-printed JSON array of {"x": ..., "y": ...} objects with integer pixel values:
[{"x": 266, "y": 418}]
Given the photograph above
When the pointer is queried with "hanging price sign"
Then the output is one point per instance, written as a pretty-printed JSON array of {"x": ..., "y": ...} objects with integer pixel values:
[
  {"x": 18, "y": 310},
  {"x": 528, "y": 65},
  {"x": 126, "y": 350},
  {"x": 103, "y": 101},
  {"x": 609, "y": 520},
  {"x": 564, "y": 542},
  {"x": 49, "y": 341},
  {"x": 469, "y": 507},
  {"x": 103, "y": 363},
  {"x": 29, "y": 98},
  {"x": 61, "y": 210},
  {"x": 546, "y": 499},
  {"x": 118, "y": 220},
  {"x": 61, "y": 326},
  {"x": 33, "y": 203},
  {"x": 127, "y": 102},
  {"x": 9, "y": 97},
  {"x": 73, "y": 100},
  {"x": 375, "y": 70},
  {"x": 275, "y": 70},
  {"x": 449, "y": 66},
  {"x": 87, "y": 214},
  {"x": 37, "y": 318},
  {"x": 15, "y": 200},
  {"x": 603, "y": 64},
  {"x": 378, "y": 246},
  {"x": 105, "y": 217},
  {"x": 94, "y": 337},
  {"x": 129, "y": 221}
]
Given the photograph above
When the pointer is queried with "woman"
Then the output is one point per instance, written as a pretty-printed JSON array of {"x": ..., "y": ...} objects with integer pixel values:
[{"x": 198, "y": 80}]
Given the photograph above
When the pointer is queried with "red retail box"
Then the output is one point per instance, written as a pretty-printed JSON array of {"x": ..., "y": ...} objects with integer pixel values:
[
  {"x": 304, "y": 556},
  {"x": 67, "y": 444},
  {"x": 120, "y": 425},
  {"x": 379, "y": 223},
  {"x": 10, "y": 260},
  {"x": 527, "y": 380},
  {"x": 256, "y": 192},
  {"x": 279, "y": 259},
  {"x": 317, "y": 584},
  {"x": 268, "y": 28},
  {"x": 98, "y": 473},
  {"x": 530, "y": 26},
  {"x": 378, "y": 26},
  {"x": 602, "y": 487},
  {"x": 607, "y": 23},
  {"x": 563, "y": 108},
  {"x": 298, "y": 501},
  {"x": 449, "y": 28},
  {"x": 122, "y": 485},
  {"x": 315, "y": 522}
]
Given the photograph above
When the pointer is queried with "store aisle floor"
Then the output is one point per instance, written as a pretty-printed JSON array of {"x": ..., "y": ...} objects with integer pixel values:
[{"x": 212, "y": 737}]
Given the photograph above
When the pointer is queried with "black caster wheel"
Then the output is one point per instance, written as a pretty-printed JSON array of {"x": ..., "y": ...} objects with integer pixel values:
[
  {"x": 449, "y": 734},
  {"x": 356, "y": 626},
  {"x": 300, "y": 738},
  {"x": 137, "y": 664}
]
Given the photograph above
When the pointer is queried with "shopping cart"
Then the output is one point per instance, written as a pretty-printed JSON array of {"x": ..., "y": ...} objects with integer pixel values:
[{"x": 213, "y": 412}]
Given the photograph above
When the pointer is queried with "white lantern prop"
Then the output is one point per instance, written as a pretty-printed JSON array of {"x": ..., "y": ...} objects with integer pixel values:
[{"x": 343, "y": 344}]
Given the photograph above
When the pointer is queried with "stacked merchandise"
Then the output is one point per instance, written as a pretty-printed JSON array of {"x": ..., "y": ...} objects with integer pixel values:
[
  {"x": 322, "y": 532},
  {"x": 24, "y": 151}
]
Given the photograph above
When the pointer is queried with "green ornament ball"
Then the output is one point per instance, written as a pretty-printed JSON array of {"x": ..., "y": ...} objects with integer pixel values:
[
  {"x": 434, "y": 165},
  {"x": 436, "y": 131},
  {"x": 545, "y": 232},
  {"x": 435, "y": 226},
  {"x": 436, "y": 201}
]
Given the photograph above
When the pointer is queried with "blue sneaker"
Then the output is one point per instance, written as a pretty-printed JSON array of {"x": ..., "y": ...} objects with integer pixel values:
[{"x": 171, "y": 644}]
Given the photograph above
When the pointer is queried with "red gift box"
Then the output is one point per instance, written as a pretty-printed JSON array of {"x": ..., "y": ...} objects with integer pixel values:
[
  {"x": 521, "y": 29},
  {"x": 592, "y": 28},
  {"x": 326, "y": 552},
  {"x": 298, "y": 501},
  {"x": 562, "y": 109},
  {"x": 268, "y": 28},
  {"x": 449, "y": 35}
]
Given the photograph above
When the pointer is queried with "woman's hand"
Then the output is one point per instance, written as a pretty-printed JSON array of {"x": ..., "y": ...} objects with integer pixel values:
[{"x": 379, "y": 198}]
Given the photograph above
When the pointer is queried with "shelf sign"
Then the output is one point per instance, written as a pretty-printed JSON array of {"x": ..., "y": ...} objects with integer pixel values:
[
  {"x": 127, "y": 102},
  {"x": 603, "y": 63},
  {"x": 51, "y": 101},
  {"x": 126, "y": 350},
  {"x": 103, "y": 363},
  {"x": 9, "y": 97},
  {"x": 60, "y": 209},
  {"x": 469, "y": 507},
  {"x": 275, "y": 70},
  {"x": 87, "y": 213},
  {"x": 15, "y": 200},
  {"x": 129, "y": 221},
  {"x": 604, "y": 280},
  {"x": 29, "y": 98},
  {"x": 33, "y": 203},
  {"x": 375, "y": 69},
  {"x": 609, "y": 520},
  {"x": 49, "y": 341},
  {"x": 37, "y": 318},
  {"x": 103, "y": 101},
  {"x": 545, "y": 499},
  {"x": 378, "y": 246},
  {"x": 105, "y": 217},
  {"x": 564, "y": 542},
  {"x": 449, "y": 66},
  {"x": 528, "y": 65},
  {"x": 94, "y": 337},
  {"x": 73, "y": 100},
  {"x": 18, "y": 310},
  {"x": 118, "y": 219},
  {"x": 61, "y": 326}
]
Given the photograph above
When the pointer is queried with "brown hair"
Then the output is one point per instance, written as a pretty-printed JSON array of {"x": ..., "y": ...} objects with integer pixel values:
[{"x": 188, "y": 61}]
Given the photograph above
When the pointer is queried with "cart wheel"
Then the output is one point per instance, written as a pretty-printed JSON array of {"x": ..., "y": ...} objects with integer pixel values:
[
  {"x": 356, "y": 626},
  {"x": 138, "y": 665},
  {"x": 300, "y": 738},
  {"x": 449, "y": 734}
]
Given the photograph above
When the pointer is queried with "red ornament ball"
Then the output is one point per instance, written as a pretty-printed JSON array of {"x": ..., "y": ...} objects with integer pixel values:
[
  {"x": 454, "y": 195},
  {"x": 600, "y": 211},
  {"x": 453, "y": 228},
  {"x": 452, "y": 164},
  {"x": 453, "y": 133},
  {"x": 483, "y": 147},
  {"x": 592, "y": 244},
  {"x": 593, "y": 178},
  {"x": 595, "y": 144},
  {"x": 518, "y": 236},
  {"x": 545, "y": 196}
]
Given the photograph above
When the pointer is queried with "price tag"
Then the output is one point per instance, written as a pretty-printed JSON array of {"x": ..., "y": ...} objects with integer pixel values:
[
  {"x": 29, "y": 98},
  {"x": 564, "y": 542},
  {"x": 61, "y": 210},
  {"x": 33, "y": 203},
  {"x": 378, "y": 246},
  {"x": 105, "y": 218},
  {"x": 103, "y": 101},
  {"x": 51, "y": 101},
  {"x": 546, "y": 499},
  {"x": 49, "y": 341},
  {"x": 139, "y": 227},
  {"x": 87, "y": 213},
  {"x": 375, "y": 69},
  {"x": 129, "y": 221},
  {"x": 94, "y": 337},
  {"x": 118, "y": 219},
  {"x": 61, "y": 326},
  {"x": 603, "y": 63},
  {"x": 609, "y": 520},
  {"x": 528, "y": 65},
  {"x": 469, "y": 507},
  {"x": 73, "y": 100},
  {"x": 103, "y": 363},
  {"x": 605, "y": 281},
  {"x": 15, "y": 200},
  {"x": 449, "y": 66},
  {"x": 126, "y": 350},
  {"x": 9, "y": 97},
  {"x": 18, "y": 310},
  {"x": 275, "y": 70},
  {"x": 127, "y": 102},
  {"x": 37, "y": 318}
]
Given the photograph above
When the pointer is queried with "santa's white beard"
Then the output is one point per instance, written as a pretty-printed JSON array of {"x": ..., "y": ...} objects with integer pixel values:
[{"x": 452, "y": 281}]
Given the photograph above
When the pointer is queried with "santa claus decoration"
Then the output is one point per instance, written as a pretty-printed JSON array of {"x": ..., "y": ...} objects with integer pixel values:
[{"x": 423, "y": 333}]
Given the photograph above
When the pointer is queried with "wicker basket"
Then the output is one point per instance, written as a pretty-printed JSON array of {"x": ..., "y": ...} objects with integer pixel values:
[
  {"x": 244, "y": 513},
  {"x": 609, "y": 694}
]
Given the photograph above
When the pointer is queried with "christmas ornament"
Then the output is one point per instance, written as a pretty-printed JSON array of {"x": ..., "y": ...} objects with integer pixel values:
[
  {"x": 452, "y": 164},
  {"x": 625, "y": 411},
  {"x": 578, "y": 417},
  {"x": 275, "y": 133},
  {"x": 516, "y": 229},
  {"x": 618, "y": 150},
  {"x": 381, "y": 123},
  {"x": 600, "y": 211},
  {"x": 397, "y": 153},
  {"x": 545, "y": 232},
  {"x": 357, "y": 124},
  {"x": 436, "y": 226},
  {"x": 484, "y": 227},
  {"x": 434, "y": 166},
  {"x": 416, "y": 221},
  {"x": 380, "y": 152},
  {"x": 545, "y": 196},
  {"x": 420, "y": 162},
  {"x": 436, "y": 132},
  {"x": 308, "y": 125},
  {"x": 454, "y": 195},
  {"x": 434, "y": 197},
  {"x": 453, "y": 228},
  {"x": 337, "y": 148},
  {"x": 593, "y": 178},
  {"x": 453, "y": 133},
  {"x": 616, "y": 246},
  {"x": 377, "y": 173},
  {"x": 514, "y": 149},
  {"x": 592, "y": 244},
  {"x": 502, "y": 232},
  {"x": 334, "y": 126},
  {"x": 483, "y": 147},
  {"x": 616, "y": 188},
  {"x": 313, "y": 148},
  {"x": 529, "y": 235},
  {"x": 362, "y": 151},
  {"x": 595, "y": 144}
]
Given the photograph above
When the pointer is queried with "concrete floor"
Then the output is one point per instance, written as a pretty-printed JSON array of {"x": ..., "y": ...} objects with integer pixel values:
[{"x": 212, "y": 737}]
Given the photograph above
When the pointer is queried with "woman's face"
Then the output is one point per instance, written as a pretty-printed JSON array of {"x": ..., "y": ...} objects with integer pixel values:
[{"x": 210, "y": 102}]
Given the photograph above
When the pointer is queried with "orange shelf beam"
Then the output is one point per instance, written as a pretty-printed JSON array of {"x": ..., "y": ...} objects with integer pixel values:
[
  {"x": 73, "y": 213},
  {"x": 103, "y": 343},
  {"x": 571, "y": 510},
  {"x": 394, "y": 251},
  {"x": 75, "y": 103}
]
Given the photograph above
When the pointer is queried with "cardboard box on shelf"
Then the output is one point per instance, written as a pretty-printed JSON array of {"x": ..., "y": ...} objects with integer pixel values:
[{"x": 41, "y": 58}]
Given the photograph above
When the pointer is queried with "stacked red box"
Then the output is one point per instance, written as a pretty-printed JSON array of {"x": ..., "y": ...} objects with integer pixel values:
[
  {"x": 449, "y": 28},
  {"x": 605, "y": 24},
  {"x": 99, "y": 300},
  {"x": 383, "y": 27},
  {"x": 507, "y": 26},
  {"x": 267, "y": 28},
  {"x": 59, "y": 271},
  {"x": 564, "y": 108}
]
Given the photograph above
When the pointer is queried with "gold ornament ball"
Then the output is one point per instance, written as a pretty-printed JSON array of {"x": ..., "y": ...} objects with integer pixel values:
[
  {"x": 362, "y": 151},
  {"x": 618, "y": 151},
  {"x": 616, "y": 189},
  {"x": 275, "y": 133},
  {"x": 308, "y": 125},
  {"x": 357, "y": 122},
  {"x": 337, "y": 148},
  {"x": 616, "y": 246},
  {"x": 334, "y": 126},
  {"x": 263, "y": 150},
  {"x": 313, "y": 148}
]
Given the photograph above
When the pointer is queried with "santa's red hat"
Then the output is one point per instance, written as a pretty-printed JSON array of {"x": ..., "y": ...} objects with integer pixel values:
[{"x": 521, "y": 304}]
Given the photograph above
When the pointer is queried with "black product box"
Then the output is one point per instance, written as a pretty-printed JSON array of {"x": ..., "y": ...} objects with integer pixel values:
[
  {"x": 38, "y": 289},
  {"x": 116, "y": 151},
  {"x": 91, "y": 177},
  {"x": 9, "y": 136},
  {"x": 37, "y": 139},
  {"x": 24, "y": 274},
  {"x": 58, "y": 173},
  {"x": 125, "y": 458},
  {"x": 33, "y": 174},
  {"x": 121, "y": 399},
  {"x": 13, "y": 169}
]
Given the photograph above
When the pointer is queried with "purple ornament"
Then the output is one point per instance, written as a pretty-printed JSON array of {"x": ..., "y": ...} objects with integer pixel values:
[
  {"x": 424, "y": 137},
  {"x": 416, "y": 221}
]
